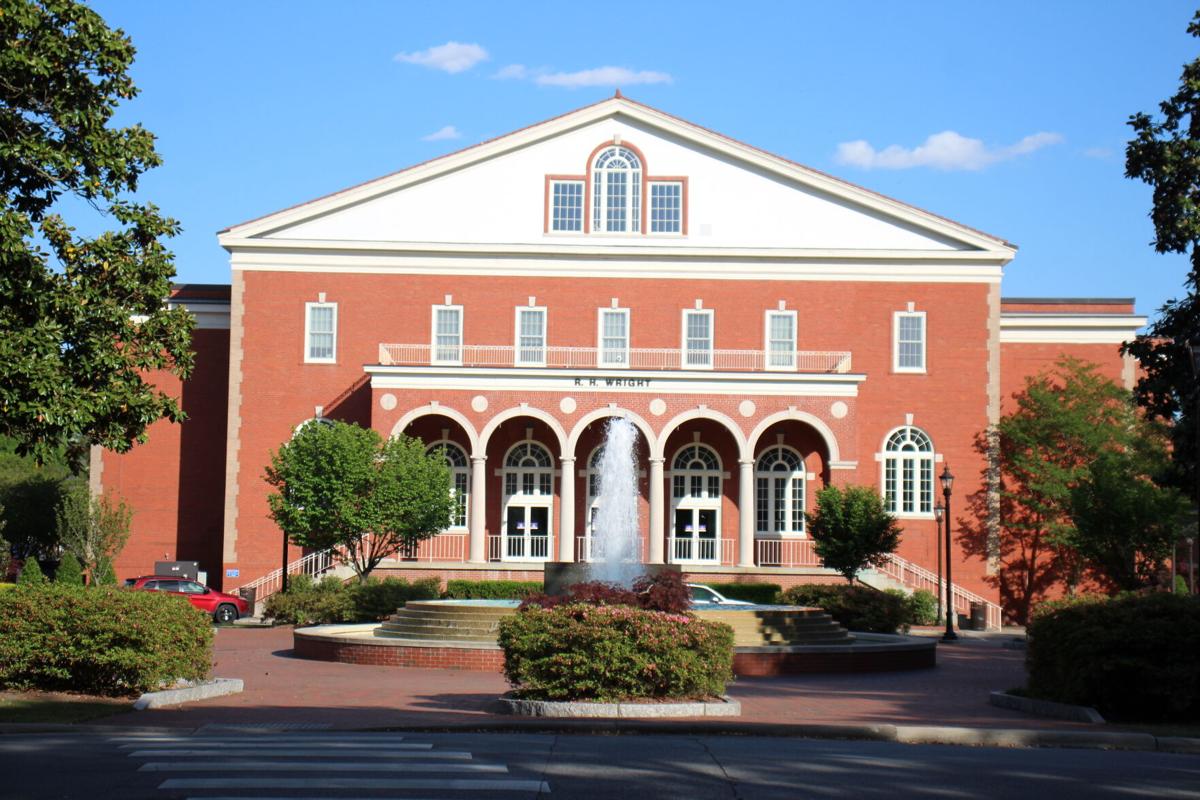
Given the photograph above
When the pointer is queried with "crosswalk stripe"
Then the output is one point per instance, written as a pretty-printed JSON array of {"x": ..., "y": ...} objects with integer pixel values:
[
  {"x": 220, "y": 748},
  {"x": 322, "y": 741},
  {"x": 261, "y": 752},
  {"x": 308, "y": 766},
  {"x": 443, "y": 784}
]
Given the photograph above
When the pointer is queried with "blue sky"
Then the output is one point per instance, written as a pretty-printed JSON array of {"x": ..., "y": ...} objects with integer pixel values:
[{"x": 1008, "y": 117}]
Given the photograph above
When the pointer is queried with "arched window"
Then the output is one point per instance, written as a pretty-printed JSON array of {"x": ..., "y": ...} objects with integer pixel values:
[
  {"x": 696, "y": 473},
  {"x": 593, "y": 485},
  {"x": 695, "y": 505},
  {"x": 908, "y": 472},
  {"x": 528, "y": 499},
  {"x": 779, "y": 491},
  {"x": 460, "y": 474},
  {"x": 617, "y": 191},
  {"x": 528, "y": 470}
]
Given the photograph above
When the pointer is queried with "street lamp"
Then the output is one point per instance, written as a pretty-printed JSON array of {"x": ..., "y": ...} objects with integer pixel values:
[
  {"x": 947, "y": 480},
  {"x": 1193, "y": 346},
  {"x": 939, "y": 511}
]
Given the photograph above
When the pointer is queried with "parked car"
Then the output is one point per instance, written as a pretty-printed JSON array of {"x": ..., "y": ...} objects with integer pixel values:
[
  {"x": 223, "y": 607},
  {"x": 707, "y": 596}
]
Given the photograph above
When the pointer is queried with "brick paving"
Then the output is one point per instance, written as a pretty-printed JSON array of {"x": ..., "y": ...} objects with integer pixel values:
[{"x": 281, "y": 688}]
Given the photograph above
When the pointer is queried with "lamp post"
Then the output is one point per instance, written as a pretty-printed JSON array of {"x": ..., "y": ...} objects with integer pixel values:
[
  {"x": 1193, "y": 346},
  {"x": 947, "y": 480},
  {"x": 284, "y": 573},
  {"x": 939, "y": 511}
]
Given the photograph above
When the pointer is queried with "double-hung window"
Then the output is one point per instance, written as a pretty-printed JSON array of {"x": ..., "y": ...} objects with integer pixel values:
[
  {"x": 614, "y": 337},
  {"x": 320, "y": 333},
  {"x": 566, "y": 206},
  {"x": 666, "y": 207},
  {"x": 447, "y": 334},
  {"x": 781, "y": 340},
  {"x": 908, "y": 336},
  {"x": 531, "y": 336},
  {"x": 617, "y": 191},
  {"x": 698, "y": 338}
]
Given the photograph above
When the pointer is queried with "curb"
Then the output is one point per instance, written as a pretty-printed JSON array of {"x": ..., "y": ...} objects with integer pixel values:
[
  {"x": 217, "y": 687},
  {"x": 1045, "y": 708},
  {"x": 725, "y": 707}
]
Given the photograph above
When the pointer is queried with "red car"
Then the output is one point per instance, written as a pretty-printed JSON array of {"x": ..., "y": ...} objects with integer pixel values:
[{"x": 223, "y": 607}]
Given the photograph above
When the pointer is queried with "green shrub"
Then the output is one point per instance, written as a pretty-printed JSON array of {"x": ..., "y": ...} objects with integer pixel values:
[
  {"x": 856, "y": 608},
  {"x": 584, "y": 652},
  {"x": 491, "y": 590},
  {"x": 1052, "y": 606},
  {"x": 31, "y": 573},
  {"x": 764, "y": 594},
  {"x": 102, "y": 641},
  {"x": 307, "y": 602},
  {"x": 69, "y": 572},
  {"x": 104, "y": 575},
  {"x": 1132, "y": 657},
  {"x": 376, "y": 600},
  {"x": 922, "y": 608}
]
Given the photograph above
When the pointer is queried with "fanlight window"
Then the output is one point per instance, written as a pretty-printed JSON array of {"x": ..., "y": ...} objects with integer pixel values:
[
  {"x": 779, "y": 489},
  {"x": 456, "y": 460},
  {"x": 908, "y": 472},
  {"x": 696, "y": 473},
  {"x": 528, "y": 470},
  {"x": 617, "y": 191}
]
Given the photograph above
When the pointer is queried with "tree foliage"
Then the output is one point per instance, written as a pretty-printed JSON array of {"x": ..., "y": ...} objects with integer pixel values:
[
  {"x": 851, "y": 530},
  {"x": 337, "y": 482},
  {"x": 1078, "y": 463},
  {"x": 29, "y": 493},
  {"x": 93, "y": 529},
  {"x": 69, "y": 572},
  {"x": 82, "y": 323},
  {"x": 1165, "y": 153},
  {"x": 31, "y": 573}
]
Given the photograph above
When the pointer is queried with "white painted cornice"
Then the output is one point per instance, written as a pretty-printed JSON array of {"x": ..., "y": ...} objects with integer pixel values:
[{"x": 1066, "y": 328}]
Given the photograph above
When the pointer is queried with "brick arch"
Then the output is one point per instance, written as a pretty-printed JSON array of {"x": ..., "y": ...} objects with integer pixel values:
[
  {"x": 601, "y": 413},
  {"x": 725, "y": 421},
  {"x": 440, "y": 411},
  {"x": 817, "y": 424},
  {"x": 526, "y": 411}
]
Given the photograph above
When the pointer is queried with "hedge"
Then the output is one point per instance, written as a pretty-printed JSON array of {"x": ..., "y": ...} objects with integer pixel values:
[
  {"x": 491, "y": 590},
  {"x": 101, "y": 640},
  {"x": 307, "y": 602},
  {"x": 609, "y": 653},
  {"x": 764, "y": 594},
  {"x": 856, "y": 608},
  {"x": 1131, "y": 657}
]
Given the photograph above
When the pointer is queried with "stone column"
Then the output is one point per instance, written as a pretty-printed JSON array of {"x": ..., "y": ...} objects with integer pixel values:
[
  {"x": 478, "y": 527},
  {"x": 566, "y": 519},
  {"x": 745, "y": 513},
  {"x": 656, "y": 511}
]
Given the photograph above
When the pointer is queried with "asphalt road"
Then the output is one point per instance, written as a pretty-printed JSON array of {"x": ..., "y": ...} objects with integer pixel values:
[{"x": 213, "y": 764}]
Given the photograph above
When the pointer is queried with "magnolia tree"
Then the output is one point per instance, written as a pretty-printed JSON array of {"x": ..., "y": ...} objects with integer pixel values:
[
  {"x": 851, "y": 530},
  {"x": 338, "y": 485}
]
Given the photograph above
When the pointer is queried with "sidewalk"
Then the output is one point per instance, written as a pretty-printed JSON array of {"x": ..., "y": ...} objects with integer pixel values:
[{"x": 283, "y": 690}]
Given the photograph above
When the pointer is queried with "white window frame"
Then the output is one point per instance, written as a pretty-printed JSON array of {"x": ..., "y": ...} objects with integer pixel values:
[
  {"x": 683, "y": 338},
  {"x": 601, "y": 351},
  {"x": 791, "y": 365},
  {"x": 896, "y": 317},
  {"x": 649, "y": 200},
  {"x": 433, "y": 336},
  {"x": 518, "y": 350},
  {"x": 308, "y": 356},
  {"x": 897, "y": 459},
  {"x": 456, "y": 472},
  {"x": 582, "y": 184},
  {"x": 791, "y": 511},
  {"x": 634, "y": 201}
]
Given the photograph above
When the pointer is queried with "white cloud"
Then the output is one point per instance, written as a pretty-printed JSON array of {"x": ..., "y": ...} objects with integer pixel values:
[
  {"x": 450, "y": 57},
  {"x": 512, "y": 72},
  {"x": 602, "y": 76},
  {"x": 947, "y": 150},
  {"x": 447, "y": 132}
]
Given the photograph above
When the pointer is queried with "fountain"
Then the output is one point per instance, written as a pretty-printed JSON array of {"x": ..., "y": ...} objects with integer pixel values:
[{"x": 616, "y": 548}]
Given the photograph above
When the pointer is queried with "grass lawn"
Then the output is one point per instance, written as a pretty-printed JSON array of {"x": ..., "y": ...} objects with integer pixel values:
[{"x": 58, "y": 707}]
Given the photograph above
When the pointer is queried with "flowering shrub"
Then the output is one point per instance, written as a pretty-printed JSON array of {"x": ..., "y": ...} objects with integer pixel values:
[
  {"x": 665, "y": 591},
  {"x": 588, "y": 652},
  {"x": 100, "y": 640}
]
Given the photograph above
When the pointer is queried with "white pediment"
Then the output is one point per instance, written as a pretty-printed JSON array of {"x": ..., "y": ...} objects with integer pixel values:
[{"x": 739, "y": 199}]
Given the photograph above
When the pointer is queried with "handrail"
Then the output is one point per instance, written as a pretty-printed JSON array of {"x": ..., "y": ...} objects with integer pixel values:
[
  {"x": 651, "y": 358},
  {"x": 898, "y": 568}
]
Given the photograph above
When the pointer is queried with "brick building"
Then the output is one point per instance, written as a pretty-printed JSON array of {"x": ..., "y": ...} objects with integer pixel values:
[{"x": 768, "y": 328}]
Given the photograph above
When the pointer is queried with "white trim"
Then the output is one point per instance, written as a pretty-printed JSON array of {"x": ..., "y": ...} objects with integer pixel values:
[
  {"x": 683, "y": 336},
  {"x": 896, "y": 317},
  {"x": 466, "y": 470},
  {"x": 650, "y": 184},
  {"x": 517, "y": 349},
  {"x": 550, "y": 229},
  {"x": 914, "y": 455},
  {"x": 656, "y": 121},
  {"x": 1061, "y": 328},
  {"x": 414, "y": 414},
  {"x": 600, "y": 351},
  {"x": 779, "y": 312},
  {"x": 208, "y": 315},
  {"x": 759, "y": 473},
  {"x": 308, "y": 357},
  {"x": 433, "y": 334}
]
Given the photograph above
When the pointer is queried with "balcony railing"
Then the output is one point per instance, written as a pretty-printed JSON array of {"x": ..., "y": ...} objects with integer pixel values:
[
  {"x": 643, "y": 358},
  {"x": 590, "y": 548},
  {"x": 518, "y": 548},
  {"x": 685, "y": 550}
]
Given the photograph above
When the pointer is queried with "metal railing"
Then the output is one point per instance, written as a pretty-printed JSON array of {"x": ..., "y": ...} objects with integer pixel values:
[
  {"x": 915, "y": 576},
  {"x": 589, "y": 548},
  {"x": 451, "y": 546},
  {"x": 311, "y": 564},
  {"x": 518, "y": 548},
  {"x": 785, "y": 553},
  {"x": 644, "y": 358},
  {"x": 700, "y": 551}
]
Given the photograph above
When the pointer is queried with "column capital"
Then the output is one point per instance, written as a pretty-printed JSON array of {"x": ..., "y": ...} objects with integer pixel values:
[
  {"x": 746, "y": 462},
  {"x": 567, "y": 459},
  {"x": 478, "y": 458},
  {"x": 657, "y": 460}
]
